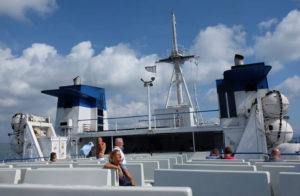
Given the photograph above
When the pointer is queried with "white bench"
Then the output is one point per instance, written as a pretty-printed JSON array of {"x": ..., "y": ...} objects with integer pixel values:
[
  {"x": 92, "y": 165},
  {"x": 48, "y": 190},
  {"x": 211, "y": 183},
  {"x": 184, "y": 158},
  {"x": 114, "y": 173},
  {"x": 172, "y": 160},
  {"x": 22, "y": 175},
  {"x": 35, "y": 166},
  {"x": 135, "y": 169},
  {"x": 71, "y": 176},
  {"x": 6, "y": 166},
  {"x": 289, "y": 183},
  {"x": 149, "y": 167},
  {"x": 198, "y": 155},
  {"x": 274, "y": 171},
  {"x": 10, "y": 176},
  {"x": 216, "y": 167},
  {"x": 179, "y": 158},
  {"x": 260, "y": 164},
  {"x": 137, "y": 172},
  {"x": 163, "y": 163},
  {"x": 88, "y": 162},
  {"x": 222, "y": 162}
]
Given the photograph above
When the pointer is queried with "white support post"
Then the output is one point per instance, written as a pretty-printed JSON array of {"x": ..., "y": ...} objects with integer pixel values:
[{"x": 149, "y": 109}]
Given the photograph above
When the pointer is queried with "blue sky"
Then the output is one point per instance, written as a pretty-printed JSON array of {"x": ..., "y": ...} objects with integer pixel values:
[{"x": 45, "y": 44}]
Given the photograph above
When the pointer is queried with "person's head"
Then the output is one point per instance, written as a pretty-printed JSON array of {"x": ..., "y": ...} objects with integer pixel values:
[
  {"x": 228, "y": 151},
  {"x": 215, "y": 152},
  {"x": 100, "y": 140},
  {"x": 115, "y": 157},
  {"x": 119, "y": 142},
  {"x": 275, "y": 153},
  {"x": 53, "y": 157}
]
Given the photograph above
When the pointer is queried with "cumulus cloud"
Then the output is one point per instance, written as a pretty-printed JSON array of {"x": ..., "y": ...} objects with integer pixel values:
[
  {"x": 267, "y": 24},
  {"x": 17, "y": 9},
  {"x": 216, "y": 46},
  {"x": 283, "y": 44},
  {"x": 211, "y": 96},
  {"x": 8, "y": 102},
  {"x": 117, "y": 68},
  {"x": 291, "y": 87},
  {"x": 82, "y": 51}
]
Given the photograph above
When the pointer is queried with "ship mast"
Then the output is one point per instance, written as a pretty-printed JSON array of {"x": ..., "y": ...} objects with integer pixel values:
[
  {"x": 176, "y": 58},
  {"x": 176, "y": 52}
]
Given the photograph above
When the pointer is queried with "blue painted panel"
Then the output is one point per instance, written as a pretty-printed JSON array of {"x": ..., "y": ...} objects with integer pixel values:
[
  {"x": 222, "y": 98},
  {"x": 79, "y": 95},
  {"x": 247, "y": 77}
]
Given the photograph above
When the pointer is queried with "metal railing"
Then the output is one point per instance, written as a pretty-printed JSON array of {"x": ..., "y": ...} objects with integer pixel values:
[{"x": 140, "y": 121}]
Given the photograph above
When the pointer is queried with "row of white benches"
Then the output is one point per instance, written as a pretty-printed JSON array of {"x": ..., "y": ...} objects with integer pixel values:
[
  {"x": 81, "y": 177},
  {"x": 50, "y": 190},
  {"x": 206, "y": 173},
  {"x": 202, "y": 182}
]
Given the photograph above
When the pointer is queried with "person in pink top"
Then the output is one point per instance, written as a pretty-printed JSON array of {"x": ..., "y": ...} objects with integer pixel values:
[{"x": 228, "y": 153}]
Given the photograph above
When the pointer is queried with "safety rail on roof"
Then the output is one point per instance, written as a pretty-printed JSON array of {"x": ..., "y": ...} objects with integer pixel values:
[
  {"x": 33, "y": 159},
  {"x": 140, "y": 121}
]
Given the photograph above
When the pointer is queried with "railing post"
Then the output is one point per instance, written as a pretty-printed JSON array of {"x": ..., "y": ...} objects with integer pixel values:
[
  {"x": 174, "y": 120},
  {"x": 194, "y": 144},
  {"x": 116, "y": 127}
]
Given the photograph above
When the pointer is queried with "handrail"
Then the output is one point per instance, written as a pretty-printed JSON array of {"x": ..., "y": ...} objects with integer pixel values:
[
  {"x": 34, "y": 158},
  {"x": 124, "y": 117},
  {"x": 22, "y": 159}
]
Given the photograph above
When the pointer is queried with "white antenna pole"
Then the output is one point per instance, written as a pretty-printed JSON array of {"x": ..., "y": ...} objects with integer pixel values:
[
  {"x": 170, "y": 89},
  {"x": 174, "y": 34}
]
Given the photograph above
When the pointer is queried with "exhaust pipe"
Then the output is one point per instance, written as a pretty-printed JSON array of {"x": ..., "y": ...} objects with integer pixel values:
[
  {"x": 77, "y": 81},
  {"x": 238, "y": 59}
]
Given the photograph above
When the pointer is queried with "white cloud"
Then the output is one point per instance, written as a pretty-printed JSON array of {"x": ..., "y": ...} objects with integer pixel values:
[
  {"x": 8, "y": 102},
  {"x": 267, "y": 24},
  {"x": 82, "y": 51},
  {"x": 118, "y": 69},
  {"x": 39, "y": 52},
  {"x": 211, "y": 96},
  {"x": 17, "y": 8},
  {"x": 216, "y": 46},
  {"x": 282, "y": 45},
  {"x": 117, "y": 107},
  {"x": 291, "y": 86}
]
